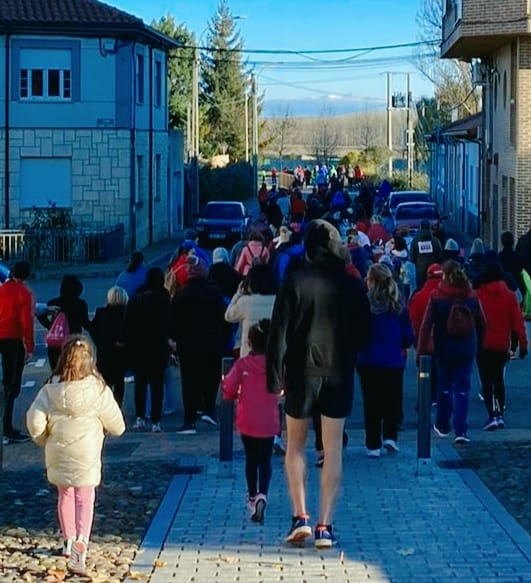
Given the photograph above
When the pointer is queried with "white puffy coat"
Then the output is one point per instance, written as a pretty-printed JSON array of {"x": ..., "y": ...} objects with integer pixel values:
[{"x": 68, "y": 419}]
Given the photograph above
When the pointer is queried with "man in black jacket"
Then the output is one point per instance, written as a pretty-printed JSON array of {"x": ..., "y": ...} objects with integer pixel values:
[{"x": 320, "y": 319}]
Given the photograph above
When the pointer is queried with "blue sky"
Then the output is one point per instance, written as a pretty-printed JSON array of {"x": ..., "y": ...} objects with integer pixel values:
[{"x": 299, "y": 25}]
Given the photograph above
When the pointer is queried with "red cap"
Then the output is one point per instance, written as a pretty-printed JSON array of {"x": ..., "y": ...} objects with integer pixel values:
[{"x": 435, "y": 271}]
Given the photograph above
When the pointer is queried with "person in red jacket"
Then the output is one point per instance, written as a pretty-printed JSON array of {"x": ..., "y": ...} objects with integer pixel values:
[
  {"x": 504, "y": 316},
  {"x": 257, "y": 416},
  {"x": 16, "y": 341},
  {"x": 417, "y": 308}
]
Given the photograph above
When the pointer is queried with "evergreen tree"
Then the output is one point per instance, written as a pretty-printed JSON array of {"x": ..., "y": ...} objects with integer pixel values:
[
  {"x": 179, "y": 70},
  {"x": 224, "y": 83}
]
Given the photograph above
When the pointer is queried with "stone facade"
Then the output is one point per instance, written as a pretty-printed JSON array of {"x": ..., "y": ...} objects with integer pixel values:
[{"x": 102, "y": 168}]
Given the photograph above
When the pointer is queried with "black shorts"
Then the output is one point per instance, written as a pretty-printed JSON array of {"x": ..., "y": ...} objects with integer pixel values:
[{"x": 328, "y": 396}]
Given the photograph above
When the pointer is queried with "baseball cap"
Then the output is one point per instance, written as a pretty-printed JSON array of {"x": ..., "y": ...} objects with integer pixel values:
[{"x": 435, "y": 271}]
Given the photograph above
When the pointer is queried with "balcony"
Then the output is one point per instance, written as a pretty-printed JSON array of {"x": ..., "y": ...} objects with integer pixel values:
[{"x": 475, "y": 28}]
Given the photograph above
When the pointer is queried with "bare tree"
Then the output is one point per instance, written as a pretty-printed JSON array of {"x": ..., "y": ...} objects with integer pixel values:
[
  {"x": 325, "y": 135},
  {"x": 452, "y": 78}
]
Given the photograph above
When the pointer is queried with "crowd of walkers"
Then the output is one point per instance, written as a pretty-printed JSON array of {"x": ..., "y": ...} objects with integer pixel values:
[{"x": 320, "y": 288}]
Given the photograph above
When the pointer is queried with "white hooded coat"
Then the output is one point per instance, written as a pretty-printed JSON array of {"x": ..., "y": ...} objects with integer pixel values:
[{"x": 68, "y": 419}]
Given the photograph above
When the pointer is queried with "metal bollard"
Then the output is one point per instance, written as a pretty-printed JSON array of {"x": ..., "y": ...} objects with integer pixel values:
[
  {"x": 226, "y": 430},
  {"x": 424, "y": 417}
]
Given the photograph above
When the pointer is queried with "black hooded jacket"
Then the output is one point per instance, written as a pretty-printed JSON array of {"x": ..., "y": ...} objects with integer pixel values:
[{"x": 320, "y": 320}]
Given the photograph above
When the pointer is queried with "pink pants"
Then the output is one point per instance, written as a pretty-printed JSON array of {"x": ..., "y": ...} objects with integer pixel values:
[{"x": 75, "y": 508}]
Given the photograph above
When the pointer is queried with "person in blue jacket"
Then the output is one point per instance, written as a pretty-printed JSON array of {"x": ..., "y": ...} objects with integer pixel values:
[{"x": 381, "y": 362}]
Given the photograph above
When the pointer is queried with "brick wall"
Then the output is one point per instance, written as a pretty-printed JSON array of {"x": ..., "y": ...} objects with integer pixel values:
[{"x": 495, "y": 17}]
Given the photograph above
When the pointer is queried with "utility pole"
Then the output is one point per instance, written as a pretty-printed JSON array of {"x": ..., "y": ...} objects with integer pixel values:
[
  {"x": 389, "y": 125},
  {"x": 246, "y": 126},
  {"x": 255, "y": 135},
  {"x": 409, "y": 131},
  {"x": 194, "y": 167}
]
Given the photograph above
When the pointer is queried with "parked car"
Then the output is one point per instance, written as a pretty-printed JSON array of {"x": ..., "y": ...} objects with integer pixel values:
[
  {"x": 409, "y": 215},
  {"x": 222, "y": 222},
  {"x": 402, "y": 196},
  {"x": 4, "y": 272}
]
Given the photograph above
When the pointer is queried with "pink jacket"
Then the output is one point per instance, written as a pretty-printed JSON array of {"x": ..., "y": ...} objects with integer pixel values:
[
  {"x": 257, "y": 409},
  {"x": 254, "y": 251}
]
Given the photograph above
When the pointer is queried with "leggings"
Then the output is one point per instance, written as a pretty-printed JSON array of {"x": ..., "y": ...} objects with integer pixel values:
[
  {"x": 75, "y": 508},
  {"x": 491, "y": 365},
  {"x": 258, "y": 452}
]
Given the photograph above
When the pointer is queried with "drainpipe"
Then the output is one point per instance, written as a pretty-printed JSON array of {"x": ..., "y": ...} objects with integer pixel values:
[
  {"x": 479, "y": 201},
  {"x": 132, "y": 176},
  {"x": 6, "y": 133},
  {"x": 150, "y": 147}
]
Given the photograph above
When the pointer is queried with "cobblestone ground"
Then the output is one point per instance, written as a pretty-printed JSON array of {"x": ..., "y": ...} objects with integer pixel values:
[
  {"x": 30, "y": 540},
  {"x": 131, "y": 491}
]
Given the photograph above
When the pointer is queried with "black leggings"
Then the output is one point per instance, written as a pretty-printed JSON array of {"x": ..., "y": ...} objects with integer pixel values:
[
  {"x": 258, "y": 452},
  {"x": 491, "y": 365},
  {"x": 13, "y": 354}
]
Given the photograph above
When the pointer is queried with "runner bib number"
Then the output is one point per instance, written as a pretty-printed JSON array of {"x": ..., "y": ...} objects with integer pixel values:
[{"x": 425, "y": 247}]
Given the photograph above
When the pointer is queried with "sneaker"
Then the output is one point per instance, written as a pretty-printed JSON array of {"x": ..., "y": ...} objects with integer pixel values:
[
  {"x": 278, "y": 446},
  {"x": 440, "y": 432},
  {"x": 187, "y": 429},
  {"x": 139, "y": 424},
  {"x": 156, "y": 428},
  {"x": 78, "y": 558},
  {"x": 259, "y": 508},
  {"x": 481, "y": 397},
  {"x": 320, "y": 459},
  {"x": 250, "y": 504},
  {"x": 490, "y": 424},
  {"x": 5, "y": 440},
  {"x": 210, "y": 419},
  {"x": 390, "y": 446},
  {"x": 324, "y": 539},
  {"x": 300, "y": 530},
  {"x": 67, "y": 547},
  {"x": 500, "y": 422},
  {"x": 16, "y": 437},
  {"x": 373, "y": 453},
  {"x": 462, "y": 439}
]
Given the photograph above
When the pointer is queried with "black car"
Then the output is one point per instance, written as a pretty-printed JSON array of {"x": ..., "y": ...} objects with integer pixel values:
[{"x": 222, "y": 222}]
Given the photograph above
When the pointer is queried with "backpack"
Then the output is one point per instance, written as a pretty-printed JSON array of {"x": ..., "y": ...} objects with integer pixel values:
[
  {"x": 460, "y": 321},
  {"x": 58, "y": 332},
  {"x": 257, "y": 259}
]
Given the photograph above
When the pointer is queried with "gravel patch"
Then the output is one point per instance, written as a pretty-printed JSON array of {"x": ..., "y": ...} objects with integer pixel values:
[
  {"x": 30, "y": 540},
  {"x": 505, "y": 468}
]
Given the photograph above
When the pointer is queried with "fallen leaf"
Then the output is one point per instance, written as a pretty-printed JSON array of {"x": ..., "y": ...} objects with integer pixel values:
[
  {"x": 59, "y": 574},
  {"x": 159, "y": 563},
  {"x": 137, "y": 576}
]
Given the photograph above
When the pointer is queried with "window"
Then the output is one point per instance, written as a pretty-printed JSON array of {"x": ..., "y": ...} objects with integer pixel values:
[
  {"x": 45, "y": 179},
  {"x": 158, "y": 176},
  {"x": 45, "y": 84},
  {"x": 140, "y": 78},
  {"x": 158, "y": 84}
]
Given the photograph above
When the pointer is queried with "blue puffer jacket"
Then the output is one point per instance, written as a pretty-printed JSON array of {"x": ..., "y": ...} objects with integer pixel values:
[
  {"x": 390, "y": 335},
  {"x": 459, "y": 350}
]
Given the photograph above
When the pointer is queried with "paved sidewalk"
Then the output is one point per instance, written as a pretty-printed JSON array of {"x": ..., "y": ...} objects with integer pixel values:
[{"x": 392, "y": 526}]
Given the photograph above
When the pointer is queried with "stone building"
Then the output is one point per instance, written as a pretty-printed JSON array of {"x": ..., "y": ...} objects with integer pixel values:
[
  {"x": 496, "y": 37},
  {"x": 84, "y": 118}
]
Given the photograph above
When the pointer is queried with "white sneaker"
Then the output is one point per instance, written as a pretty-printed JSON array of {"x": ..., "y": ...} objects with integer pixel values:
[
  {"x": 156, "y": 428},
  {"x": 139, "y": 425},
  {"x": 373, "y": 453},
  {"x": 67, "y": 547},
  {"x": 78, "y": 558},
  {"x": 390, "y": 446}
]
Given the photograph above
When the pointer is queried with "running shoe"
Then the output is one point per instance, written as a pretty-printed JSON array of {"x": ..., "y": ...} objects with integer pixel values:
[
  {"x": 210, "y": 419},
  {"x": 324, "y": 539},
  {"x": 300, "y": 530},
  {"x": 391, "y": 446},
  {"x": 78, "y": 558},
  {"x": 187, "y": 429},
  {"x": 500, "y": 422},
  {"x": 139, "y": 425},
  {"x": 461, "y": 439},
  {"x": 440, "y": 432},
  {"x": 373, "y": 453},
  {"x": 259, "y": 508},
  {"x": 490, "y": 424}
]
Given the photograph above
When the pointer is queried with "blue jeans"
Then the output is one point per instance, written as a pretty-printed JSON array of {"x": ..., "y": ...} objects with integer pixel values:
[{"x": 452, "y": 395}]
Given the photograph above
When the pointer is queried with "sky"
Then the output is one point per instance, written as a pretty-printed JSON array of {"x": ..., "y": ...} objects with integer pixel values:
[{"x": 337, "y": 82}]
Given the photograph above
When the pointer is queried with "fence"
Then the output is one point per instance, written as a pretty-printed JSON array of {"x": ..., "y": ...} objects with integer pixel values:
[{"x": 61, "y": 246}]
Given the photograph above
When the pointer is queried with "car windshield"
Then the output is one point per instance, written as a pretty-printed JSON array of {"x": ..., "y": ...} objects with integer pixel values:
[
  {"x": 223, "y": 211},
  {"x": 397, "y": 199},
  {"x": 416, "y": 212}
]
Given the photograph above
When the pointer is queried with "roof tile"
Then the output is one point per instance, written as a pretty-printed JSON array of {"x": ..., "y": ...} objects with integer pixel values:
[{"x": 63, "y": 12}]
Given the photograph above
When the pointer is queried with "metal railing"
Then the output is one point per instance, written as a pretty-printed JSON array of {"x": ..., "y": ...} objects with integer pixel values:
[{"x": 43, "y": 247}]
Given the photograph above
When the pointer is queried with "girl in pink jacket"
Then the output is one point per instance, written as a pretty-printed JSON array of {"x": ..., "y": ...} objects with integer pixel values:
[{"x": 257, "y": 416}]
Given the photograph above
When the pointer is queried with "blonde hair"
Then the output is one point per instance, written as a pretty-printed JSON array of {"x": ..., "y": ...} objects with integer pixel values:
[
  {"x": 455, "y": 276},
  {"x": 385, "y": 295},
  {"x": 117, "y": 296},
  {"x": 77, "y": 360}
]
